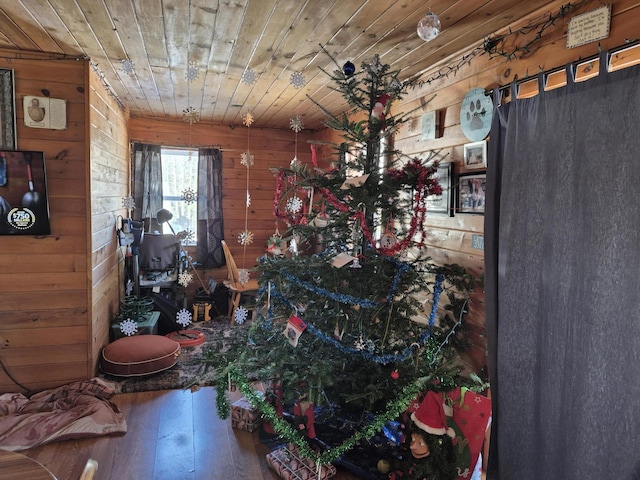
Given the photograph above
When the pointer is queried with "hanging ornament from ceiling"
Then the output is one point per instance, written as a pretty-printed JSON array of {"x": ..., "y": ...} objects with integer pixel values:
[
  {"x": 248, "y": 77},
  {"x": 192, "y": 73},
  {"x": 349, "y": 68},
  {"x": 297, "y": 79},
  {"x": 429, "y": 26},
  {"x": 127, "y": 66},
  {"x": 246, "y": 237}
]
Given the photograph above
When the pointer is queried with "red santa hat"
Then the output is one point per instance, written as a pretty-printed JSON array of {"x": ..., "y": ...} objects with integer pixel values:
[{"x": 430, "y": 415}]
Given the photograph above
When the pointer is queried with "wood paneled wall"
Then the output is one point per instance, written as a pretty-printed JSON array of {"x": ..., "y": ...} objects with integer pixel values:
[
  {"x": 44, "y": 327},
  {"x": 270, "y": 148},
  {"x": 450, "y": 237},
  {"x": 59, "y": 292},
  {"x": 109, "y": 184}
]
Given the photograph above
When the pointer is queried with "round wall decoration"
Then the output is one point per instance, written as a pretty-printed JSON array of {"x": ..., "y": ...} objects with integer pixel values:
[{"x": 476, "y": 113}]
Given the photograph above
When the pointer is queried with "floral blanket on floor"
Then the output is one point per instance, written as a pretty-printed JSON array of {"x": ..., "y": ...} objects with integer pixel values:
[{"x": 77, "y": 410}]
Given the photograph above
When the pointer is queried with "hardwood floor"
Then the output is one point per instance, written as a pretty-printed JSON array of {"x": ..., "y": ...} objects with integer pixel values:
[{"x": 172, "y": 435}]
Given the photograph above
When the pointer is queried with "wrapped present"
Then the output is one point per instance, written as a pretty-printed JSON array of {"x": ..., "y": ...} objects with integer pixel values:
[
  {"x": 289, "y": 464},
  {"x": 244, "y": 416}
]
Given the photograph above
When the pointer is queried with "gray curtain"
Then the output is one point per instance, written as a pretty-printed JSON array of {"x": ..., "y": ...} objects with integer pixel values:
[
  {"x": 562, "y": 289},
  {"x": 210, "y": 225},
  {"x": 147, "y": 184}
]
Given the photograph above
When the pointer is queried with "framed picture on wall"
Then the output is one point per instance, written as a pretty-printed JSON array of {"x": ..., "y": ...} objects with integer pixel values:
[
  {"x": 471, "y": 188},
  {"x": 442, "y": 203},
  {"x": 7, "y": 110},
  {"x": 475, "y": 154}
]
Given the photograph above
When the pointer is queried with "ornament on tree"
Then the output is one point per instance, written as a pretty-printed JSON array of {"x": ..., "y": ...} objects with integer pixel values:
[
  {"x": 348, "y": 68},
  {"x": 304, "y": 417},
  {"x": 241, "y": 314},
  {"x": 295, "y": 327},
  {"x": 379, "y": 111}
]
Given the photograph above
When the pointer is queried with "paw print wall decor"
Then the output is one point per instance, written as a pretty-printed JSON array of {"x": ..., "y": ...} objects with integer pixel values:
[{"x": 476, "y": 113}]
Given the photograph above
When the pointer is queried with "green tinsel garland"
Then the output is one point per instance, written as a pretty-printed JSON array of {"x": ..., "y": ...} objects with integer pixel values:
[{"x": 284, "y": 429}]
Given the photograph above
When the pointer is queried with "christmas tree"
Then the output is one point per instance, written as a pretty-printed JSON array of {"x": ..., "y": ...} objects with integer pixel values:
[{"x": 355, "y": 319}]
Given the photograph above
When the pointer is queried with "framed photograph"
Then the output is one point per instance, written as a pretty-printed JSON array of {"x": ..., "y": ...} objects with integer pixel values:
[
  {"x": 7, "y": 110},
  {"x": 475, "y": 154},
  {"x": 471, "y": 192},
  {"x": 442, "y": 203}
]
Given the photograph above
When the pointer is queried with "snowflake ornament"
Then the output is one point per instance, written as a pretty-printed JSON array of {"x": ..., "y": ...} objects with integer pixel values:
[
  {"x": 193, "y": 72},
  {"x": 190, "y": 115},
  {"x": 241, "y": 315},
  {"x": 248, "y": 77},
  {"x": 245, "y": 238},
  {"x": 128, "y": 202},
  {"x": 185, "y": 279},
  {"x": 246, "y": 159},
  {"x": 294, "y": 204},
  {"x": 183, "y": 317},
  {"x": 297, "y": 79},
  {"x": 128, "y": 327},
  {"x": 186, "y": 235},
  {"x": 189, "y": 196},
  {"x": 127, "y": 66},
  {"x": 243, "y": 275},
  {"x": 247, "y": 119},
  {"x": 359, "y": 344},
  {"x": 296, "y": 123}
]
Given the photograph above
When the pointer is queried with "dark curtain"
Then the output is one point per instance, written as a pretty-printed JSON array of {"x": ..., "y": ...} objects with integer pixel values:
[
  {"x": 562, "y": 289},
  {"x": 147, "y": 184},
  {"x": 210, "y": 225}
]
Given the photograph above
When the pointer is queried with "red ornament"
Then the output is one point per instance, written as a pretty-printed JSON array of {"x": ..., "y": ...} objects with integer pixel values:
[{"x": 395, "y": 375}]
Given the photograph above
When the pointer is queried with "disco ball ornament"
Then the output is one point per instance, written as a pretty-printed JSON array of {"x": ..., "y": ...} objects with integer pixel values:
[
  {"x": 429, "y": 27},
  {"x": 349, "y": 69}
]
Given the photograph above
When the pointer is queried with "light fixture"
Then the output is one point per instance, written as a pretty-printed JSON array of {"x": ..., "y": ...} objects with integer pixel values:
[{"x": 429, "y": 26}]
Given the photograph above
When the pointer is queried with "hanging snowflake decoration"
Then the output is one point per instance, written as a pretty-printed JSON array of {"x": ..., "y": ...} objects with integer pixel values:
[
  {"x": 129, "y": 287},
  {"x": 190, "y": 115},
  {"x": 246, "y": 159},
  {"x": 249, "y": 77},
  {"x": 192, "y": 72},
  {"x": 128, "y": 327},
  {"x": 241, "y": 315},
  {"x": 185, "y": 279},
  {"x": 359, "y": 344},
  {"x": 185, "y": 236},
  {"x": 127, "y": 66},
  {"x": 294, "y": 204},
  {"x": 189, "y": 196},
  {"x": 128, "y": 202},
  {"x": 245, "y": 238},
  {"x": 183, "y": 317},
  {"x": 243, "y": 275},
  {"x": 248, "y": 199},
  {"x": 296, "y": 124},
  {"x": 297, "y": 80},
  {"x": 247, "y": 119}
]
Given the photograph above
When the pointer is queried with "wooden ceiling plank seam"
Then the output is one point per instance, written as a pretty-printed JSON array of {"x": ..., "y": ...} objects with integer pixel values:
[
  {"x": 228, "y": 25},
  {"x": 142, "y": 79},
  {"x": 278, "y": 20},
  {"x": 18, "y": 37},
  {"x": 33, "y": 25}
]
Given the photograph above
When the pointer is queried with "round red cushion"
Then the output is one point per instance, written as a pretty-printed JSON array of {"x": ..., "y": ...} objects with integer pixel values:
[{"x": 139, "y": 355}]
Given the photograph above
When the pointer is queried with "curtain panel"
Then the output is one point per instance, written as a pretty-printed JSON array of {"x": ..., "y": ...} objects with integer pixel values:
[
  {"x": 147, "y": 184},
  {"x": 210, "y": 224},
  {"x": 561, "y": 281}
]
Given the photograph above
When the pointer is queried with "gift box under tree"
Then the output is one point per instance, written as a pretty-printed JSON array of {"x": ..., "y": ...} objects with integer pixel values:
[
  {"x": 244, "y": 416},
  {"x": 289, "y": 464}
]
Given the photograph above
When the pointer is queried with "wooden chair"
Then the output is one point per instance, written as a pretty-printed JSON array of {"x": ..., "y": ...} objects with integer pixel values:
[{"x": 233, "y": 282}]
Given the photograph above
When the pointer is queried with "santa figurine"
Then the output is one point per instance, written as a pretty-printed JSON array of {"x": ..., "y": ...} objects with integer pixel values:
[
  {"x": 430, "y": 454},
  {"x": 379, "y": 111}
]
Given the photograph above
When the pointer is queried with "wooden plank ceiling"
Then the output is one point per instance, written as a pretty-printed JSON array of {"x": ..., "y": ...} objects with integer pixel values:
[{"x": 144, "y": 49}]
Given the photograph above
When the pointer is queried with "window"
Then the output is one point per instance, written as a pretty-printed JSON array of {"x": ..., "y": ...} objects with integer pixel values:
[{"x": 179, "y": 190}]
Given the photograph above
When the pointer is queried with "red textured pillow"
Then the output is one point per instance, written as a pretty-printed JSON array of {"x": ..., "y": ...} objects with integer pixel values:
[{"x": 139, "y": 355}]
